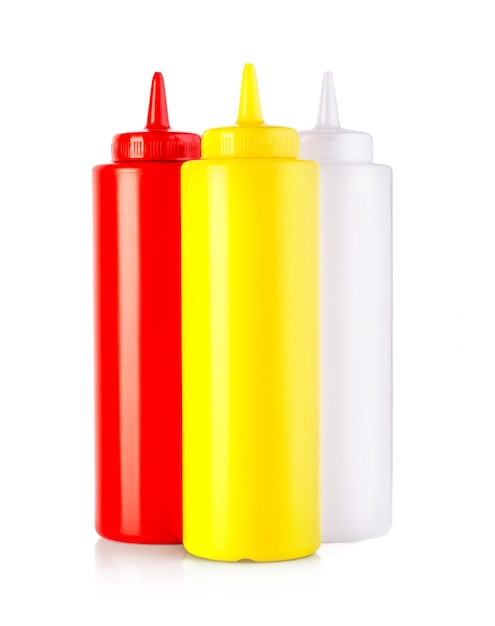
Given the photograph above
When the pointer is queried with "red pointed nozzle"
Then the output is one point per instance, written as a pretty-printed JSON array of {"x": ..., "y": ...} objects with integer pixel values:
[
  {"x": 157, "y": 142},
  {"x": 157, "y": 111}
]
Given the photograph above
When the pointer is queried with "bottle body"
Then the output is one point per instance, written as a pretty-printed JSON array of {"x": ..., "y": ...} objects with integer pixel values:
[
  {"x": 356, "y": 350},
  {"x": 138, "y": 351},
  {"x": 250, "y": 358}
]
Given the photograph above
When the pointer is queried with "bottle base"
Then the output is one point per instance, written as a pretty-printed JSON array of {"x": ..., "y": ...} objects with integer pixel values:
[
  {"x": 334, "y": 536},
  {"x": 247, "y": 555},
  {"x": 143, "y": 538}
]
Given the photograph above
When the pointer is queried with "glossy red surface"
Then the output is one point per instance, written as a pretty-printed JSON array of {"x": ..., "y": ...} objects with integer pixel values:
[
  {"x": 138, "y": 352},
  {"x": 137, "y": 331}
]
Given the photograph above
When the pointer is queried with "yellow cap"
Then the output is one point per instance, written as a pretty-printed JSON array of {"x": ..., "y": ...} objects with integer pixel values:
[{"x": 250, "y": 136}]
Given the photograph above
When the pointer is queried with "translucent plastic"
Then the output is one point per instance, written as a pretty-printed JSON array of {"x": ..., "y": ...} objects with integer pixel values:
[{"x": 356, "y": 328}]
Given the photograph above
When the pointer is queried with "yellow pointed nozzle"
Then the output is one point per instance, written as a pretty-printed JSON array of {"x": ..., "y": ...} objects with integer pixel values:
[
  {"x": 249, "y": 137},
  {"x": 249, "y": 104}
]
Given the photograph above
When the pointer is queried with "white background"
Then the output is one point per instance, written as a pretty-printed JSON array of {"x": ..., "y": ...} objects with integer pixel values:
[{"x": 419, "y": 76}]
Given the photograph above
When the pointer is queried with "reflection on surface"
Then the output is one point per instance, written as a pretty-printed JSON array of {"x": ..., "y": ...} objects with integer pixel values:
[
  {"x": 121, "y": 563},
  {"x": 201, "y": 576},
  {"x": 140, "y": 568}
]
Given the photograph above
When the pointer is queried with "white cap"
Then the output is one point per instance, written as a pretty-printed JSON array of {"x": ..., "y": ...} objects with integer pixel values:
[{"x": 328, "y": 141}]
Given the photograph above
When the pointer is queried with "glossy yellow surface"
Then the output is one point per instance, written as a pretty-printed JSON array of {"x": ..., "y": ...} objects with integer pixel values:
[{"x": 250, "y": 358}]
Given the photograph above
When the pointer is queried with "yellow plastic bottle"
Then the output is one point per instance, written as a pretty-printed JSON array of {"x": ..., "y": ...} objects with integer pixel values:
[{"x": 250, "y": 342}]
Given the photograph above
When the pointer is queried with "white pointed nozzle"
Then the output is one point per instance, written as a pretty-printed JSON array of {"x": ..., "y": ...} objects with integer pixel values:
[
  {"x": 328, "y": 142},
  {"x": 328, "y": 115}
]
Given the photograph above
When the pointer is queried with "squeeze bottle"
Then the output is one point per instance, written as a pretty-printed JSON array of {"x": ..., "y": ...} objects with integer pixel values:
[
  {"x": 137, "y": 330},
  {"x": 356, "y": 327},
  {"x": 250, "y": 342}
]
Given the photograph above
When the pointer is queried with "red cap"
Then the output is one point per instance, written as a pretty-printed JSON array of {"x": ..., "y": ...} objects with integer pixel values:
[{"x": 157, "y": 142}]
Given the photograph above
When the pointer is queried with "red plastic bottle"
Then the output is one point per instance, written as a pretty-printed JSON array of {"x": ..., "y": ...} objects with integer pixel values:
[{"x": 137, "y": 330}]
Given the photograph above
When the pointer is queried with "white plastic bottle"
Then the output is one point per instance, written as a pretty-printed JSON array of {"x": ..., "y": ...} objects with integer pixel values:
[{"x": 356, "y": 327}]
